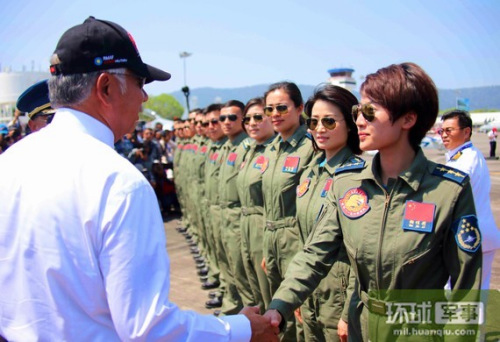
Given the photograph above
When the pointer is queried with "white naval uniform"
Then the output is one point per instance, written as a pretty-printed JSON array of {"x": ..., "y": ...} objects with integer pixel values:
[
  {"x": 83, "y": 248},
  {"x": 469, "y": 159}
]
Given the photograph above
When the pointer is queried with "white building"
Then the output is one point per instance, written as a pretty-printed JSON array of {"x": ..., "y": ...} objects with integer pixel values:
[
  {"x": 12, "y": 84},
  {"x": 342, "y": 77}
]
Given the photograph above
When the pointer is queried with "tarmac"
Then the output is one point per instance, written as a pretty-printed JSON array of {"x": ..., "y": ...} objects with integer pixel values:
[{"x": 185, "y": 286}]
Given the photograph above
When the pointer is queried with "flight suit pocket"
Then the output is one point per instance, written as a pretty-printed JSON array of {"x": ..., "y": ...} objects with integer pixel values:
[{"x": 417, "y": 266}]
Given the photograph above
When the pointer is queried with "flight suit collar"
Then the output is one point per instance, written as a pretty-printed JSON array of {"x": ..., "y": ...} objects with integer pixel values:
[
  {"x": 333, "y": 163},
  {"x": 239, "y": 138},
  {"x": 412, "y": 176},
  {"x": 220, "y": 142},
  {"x": 296, "y": 137}
]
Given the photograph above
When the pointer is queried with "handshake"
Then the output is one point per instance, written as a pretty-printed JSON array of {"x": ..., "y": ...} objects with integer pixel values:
[{"x": 264, "y": 327}]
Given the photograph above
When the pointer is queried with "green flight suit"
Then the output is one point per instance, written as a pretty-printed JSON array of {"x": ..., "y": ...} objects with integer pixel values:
[
  {"x": 323, "y": 308},
  {"x": 249, "y": 184},
  {"x": 197, "y": 190},
  {"x": 407, "y": 236},
  {"x": 230, "y": 233},
  {"x": 187, "y": 173},
  {"x": 286, "y": 161},
  {"x": 212, "y": 166},
  {"x": 179, "y": 176}
]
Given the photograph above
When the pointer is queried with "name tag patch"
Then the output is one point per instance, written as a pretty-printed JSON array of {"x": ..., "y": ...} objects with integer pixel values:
[
  {"x": 326, "y": 188},
  {"x": 231, "y": 158},
  {"x": 419, "y": 216},
  {"x": 291, "y": 164},
  {"x": 354, "y": 204},
  {"x": 213, "y": 157}
]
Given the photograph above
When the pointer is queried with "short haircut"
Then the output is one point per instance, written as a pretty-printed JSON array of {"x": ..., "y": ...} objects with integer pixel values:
[
  {"x": 344, "y": 100},
  {"x": 213, "y": 107},
  {"x": 464, "y": 120},
  {"x": 234, "y": 103},
  {"x": 401, "y": 89}
]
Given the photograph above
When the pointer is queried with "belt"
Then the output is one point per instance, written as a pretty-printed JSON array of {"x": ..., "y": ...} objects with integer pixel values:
[
  {"x": 252, "y": 211},
  {"x": 375, "y": 306},
  {"x": 287, "y": 222}
]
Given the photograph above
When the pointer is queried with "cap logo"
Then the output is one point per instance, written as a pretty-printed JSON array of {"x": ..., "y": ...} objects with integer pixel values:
[{"x": 98, "y": 61}]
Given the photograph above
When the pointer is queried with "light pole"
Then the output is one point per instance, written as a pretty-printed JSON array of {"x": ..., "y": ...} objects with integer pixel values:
[{"x": 185, "y": 89}]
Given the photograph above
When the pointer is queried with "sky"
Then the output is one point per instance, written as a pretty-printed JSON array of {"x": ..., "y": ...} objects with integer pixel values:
[{"x": 244, "y": 43}]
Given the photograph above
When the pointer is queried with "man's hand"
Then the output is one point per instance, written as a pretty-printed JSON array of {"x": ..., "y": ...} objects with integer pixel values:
[
  {"x": 263, "y": 328},
  {"x": 342, "y": 330},
  {"x": 298, "y": 315}
]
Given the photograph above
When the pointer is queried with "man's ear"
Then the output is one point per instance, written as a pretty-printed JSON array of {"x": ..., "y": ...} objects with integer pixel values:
[
  {"x": 103, "y": 88},
  {"x": 409, "y": 120}
]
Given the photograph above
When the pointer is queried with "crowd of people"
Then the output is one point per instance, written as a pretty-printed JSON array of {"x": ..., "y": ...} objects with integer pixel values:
[
  {"x": 298, "y": 237},
  {"x": 282, "y": 212}
]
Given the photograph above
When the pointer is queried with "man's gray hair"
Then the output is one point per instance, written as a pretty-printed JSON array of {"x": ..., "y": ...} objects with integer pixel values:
[{"x": 69, "y": 90}]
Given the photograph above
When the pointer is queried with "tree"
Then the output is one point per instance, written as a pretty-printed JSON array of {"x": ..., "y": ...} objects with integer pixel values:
[{"x": 165, "y": 106}]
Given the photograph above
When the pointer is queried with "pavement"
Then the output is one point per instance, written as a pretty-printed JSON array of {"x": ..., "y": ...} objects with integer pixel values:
[{"x": 185, "y": 286}]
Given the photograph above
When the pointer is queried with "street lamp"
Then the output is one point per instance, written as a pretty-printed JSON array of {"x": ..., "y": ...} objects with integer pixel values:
[{"x": 185, "y": 89}]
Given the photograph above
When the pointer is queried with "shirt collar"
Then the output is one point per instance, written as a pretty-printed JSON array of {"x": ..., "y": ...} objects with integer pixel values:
[
  {"x": 412, "y": 176},
  {"x": 451, "y": 153},
  {"x": 296, "y": 137},
  {"x": 71, "y": 119}
]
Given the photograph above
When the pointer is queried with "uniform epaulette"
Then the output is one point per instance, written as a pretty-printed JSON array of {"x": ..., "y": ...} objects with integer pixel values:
[
  {"x": 246, "y": 143},
  {"x": 353, "y": 163},
  {"x": 308, "y": 135},
  {"x": 450, "y": 173}
]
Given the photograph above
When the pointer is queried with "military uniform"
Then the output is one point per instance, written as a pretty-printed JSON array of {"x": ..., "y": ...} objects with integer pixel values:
[
  {"x": 284, "y": 163},
  {"x": 413, "y": 234},
  {"x": 230, "y": 232},
  {"x": 323, "y": 308},
  {"x": 249, "y": 184}
]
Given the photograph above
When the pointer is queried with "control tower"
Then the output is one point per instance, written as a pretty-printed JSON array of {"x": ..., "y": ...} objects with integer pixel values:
[{"x": 342, "y": 77}]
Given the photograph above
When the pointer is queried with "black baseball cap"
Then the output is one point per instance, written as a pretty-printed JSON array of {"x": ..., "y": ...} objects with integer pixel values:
[{"x": 101, "y": 45}]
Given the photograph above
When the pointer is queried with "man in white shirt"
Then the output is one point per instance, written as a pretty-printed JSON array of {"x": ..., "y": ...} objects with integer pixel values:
[
  {"x": 82, "y": 243},
  {"x": 456, "y": 132}
]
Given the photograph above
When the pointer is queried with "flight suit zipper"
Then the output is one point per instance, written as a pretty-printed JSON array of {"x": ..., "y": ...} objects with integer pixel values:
[{"x": 378, "y": 275}]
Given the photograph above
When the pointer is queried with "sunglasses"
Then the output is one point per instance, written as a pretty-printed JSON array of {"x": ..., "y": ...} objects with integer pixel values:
[
  {"x": 230, "y": 117},
  {"x": 256, "y": 118},
  {"x": 367, "y": 110},
  {"x": 281, "y": 109},
  {"x": 214, "y": 122},
  {"x": 204, "y": 124},
  {"x": 448, "y": 130},
  {"x": 328, "y": 123}
]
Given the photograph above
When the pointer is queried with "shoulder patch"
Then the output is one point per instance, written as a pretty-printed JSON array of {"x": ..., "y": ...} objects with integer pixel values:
[
  {"x": 467, "y": 234},
  {"x": 450, "y": 173},
  {"x": 353, "y": 163}
]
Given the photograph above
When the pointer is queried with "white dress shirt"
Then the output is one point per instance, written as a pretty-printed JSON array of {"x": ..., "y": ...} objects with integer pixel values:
[
  {"x": 470, "y": 160},
  {"x": 83, "y": 248}
]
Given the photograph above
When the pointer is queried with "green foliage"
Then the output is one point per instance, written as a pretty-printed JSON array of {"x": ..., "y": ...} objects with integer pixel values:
[{"x": 165, "y": 106}]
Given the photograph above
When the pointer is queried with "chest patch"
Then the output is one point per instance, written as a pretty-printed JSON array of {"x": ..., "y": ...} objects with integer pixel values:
[
  {"x": 467, "y": 233},
  {"x": 231, "y": 158},
  {"x": 419, "y": 216},
  {"x": 261, "y": 163},
  {"x": 327, "y": 187},
  {"x": 213, "y": 157},
  {"x": 204, "y": 149},
  {"x": 291, "y": 164},
  {"x": 354, "y": 204},
  {"x": 303, "y": 187}
]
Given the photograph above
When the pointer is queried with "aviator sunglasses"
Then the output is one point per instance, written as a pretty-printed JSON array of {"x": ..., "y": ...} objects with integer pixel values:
[
  {"x": 281, "y": 109},
  {"x": 256, "y": 118},
  {"x": 367, "y": 110},
  {"x": 204, "y": 123},
  {"x": 230, "y": 117},
  {"x": 328, "y": 123}
]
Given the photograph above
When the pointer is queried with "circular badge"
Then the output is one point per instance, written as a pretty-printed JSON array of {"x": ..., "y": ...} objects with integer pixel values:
[
  {"x": 98, "y": 61},
  {"x": 354, "y": 204},
  {"x": 303, "y": 187}
]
